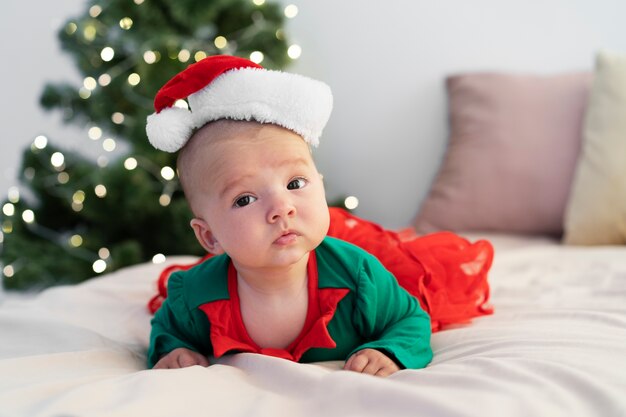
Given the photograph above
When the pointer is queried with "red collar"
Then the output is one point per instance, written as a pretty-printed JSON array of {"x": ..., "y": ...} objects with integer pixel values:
[{"x": 228, "y": 332}]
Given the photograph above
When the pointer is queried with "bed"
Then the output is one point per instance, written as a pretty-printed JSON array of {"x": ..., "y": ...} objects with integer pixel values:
[
  {"x": 556, "y": 346},
  {"x": 529, "y": 157}
]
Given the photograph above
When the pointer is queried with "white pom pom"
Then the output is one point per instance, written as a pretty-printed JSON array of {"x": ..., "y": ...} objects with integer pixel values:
[{"x": 170, "y": 129}]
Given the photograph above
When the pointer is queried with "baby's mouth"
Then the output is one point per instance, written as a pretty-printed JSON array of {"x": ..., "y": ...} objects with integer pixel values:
[{"x": 286, "y": 238}]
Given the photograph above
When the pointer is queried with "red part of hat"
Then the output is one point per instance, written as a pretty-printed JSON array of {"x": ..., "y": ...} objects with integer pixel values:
[{"x": 197, "y": 76}]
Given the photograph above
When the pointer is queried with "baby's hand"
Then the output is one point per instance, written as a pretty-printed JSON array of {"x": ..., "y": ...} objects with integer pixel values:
[
  {"x": 371, "y": 361},
  {"x": 181, "y": 358}
]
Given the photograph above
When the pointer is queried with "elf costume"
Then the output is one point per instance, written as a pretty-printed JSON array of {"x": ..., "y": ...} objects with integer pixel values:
[{"x": 355, "y": 301}]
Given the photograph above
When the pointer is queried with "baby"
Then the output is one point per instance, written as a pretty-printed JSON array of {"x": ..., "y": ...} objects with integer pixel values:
[{"x": 277, "y": 285}]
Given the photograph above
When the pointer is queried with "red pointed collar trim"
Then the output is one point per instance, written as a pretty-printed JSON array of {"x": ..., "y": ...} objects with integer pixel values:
[{"x": 228, "y": 332}]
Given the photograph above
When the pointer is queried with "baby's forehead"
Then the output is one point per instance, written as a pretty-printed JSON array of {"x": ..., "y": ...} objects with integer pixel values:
[
  {"x": 202, "y": 143},
  {"x": 225, "y": 133},
  {"x": 223, "y": 130},
  {"x": 212, "y": 142}
]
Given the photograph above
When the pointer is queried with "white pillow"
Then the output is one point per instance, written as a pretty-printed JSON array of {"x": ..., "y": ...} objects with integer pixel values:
[{"x": 596, "y": 210}]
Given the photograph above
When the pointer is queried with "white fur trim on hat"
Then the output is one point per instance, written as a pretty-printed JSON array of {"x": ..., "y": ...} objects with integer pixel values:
[
  {"x": 295, "y": 102},
  {"x": 170, "y": 129}
]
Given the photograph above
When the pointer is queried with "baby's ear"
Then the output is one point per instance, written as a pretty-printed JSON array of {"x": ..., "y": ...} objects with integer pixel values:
[{"x": 205, "y": 237}]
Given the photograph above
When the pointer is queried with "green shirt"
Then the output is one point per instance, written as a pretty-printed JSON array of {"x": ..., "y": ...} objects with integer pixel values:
[{"x": 373, "y": 311}]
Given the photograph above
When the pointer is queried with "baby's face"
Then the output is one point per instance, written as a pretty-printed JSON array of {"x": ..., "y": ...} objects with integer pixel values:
[{"x": 263, "y": 198}]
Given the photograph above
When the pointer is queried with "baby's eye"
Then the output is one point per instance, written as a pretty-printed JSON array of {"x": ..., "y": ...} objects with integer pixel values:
[
  {"x": 296, "y": 184},
  {"x": 244, "y": 201}
]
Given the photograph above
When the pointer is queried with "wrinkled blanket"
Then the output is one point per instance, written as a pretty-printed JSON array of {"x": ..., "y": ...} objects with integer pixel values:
[{"x": 556, "y": 346}]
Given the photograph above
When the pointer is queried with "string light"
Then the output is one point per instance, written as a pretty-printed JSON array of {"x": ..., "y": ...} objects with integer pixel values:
[
  {"x": 117, "y": 118},
  {"x": 109, "y": 145},
  {"x": 8, "y": 209},
  {"x": 99, "y": 266},
  {"x": 70, "y": 28},
  {"x": 130, "y": 163},
  {"x": 94, "y": 133},
  {"x": 138, "y": 2},
  {"x": 76, "y": 241},
  {"x": 28, "y": 216},
  {"x": 134, "y": 79},
  {"x": 168, "y": 173},
  {"x": 159, "y": 258},
  {"x": 199, "y": 56},
  {"x": 57, "y": 160},
  {"x": 351, "y": 202},
  {"x": 8, "y": 271},
  {"x": 104, "y": 253},
  {"x": 184, "y": 55},
  {"x": 291, "y": 11},
  {"x": 100, "y": 190},
  {"x": 102, "y": 161},
  {"x": 104, "y": 80},
  {"x": 63, "y": 177},
  {"x": 107, "y": 54},
  {"x": 90, "y": 83},
  {"x": 165, "y": 200},
  {"x": 14, "y": 194},
  {"x": 79, "y": 197},
  {"x": 126, "y": 23},
  {"x": 150, "y": 57},
  {"x": 40, "y": 142},
  {"x": 258, "y": 2},
  {"x": 29, "y": 173},
  {"x": 294, "y": 51},
  {"x": 94, "y": 11},
  {"x": 84, "y": 93},
  {"x": 89, "y": 33},
  {"x": 220, "y": 42},
  {"x": 257, "y": 57},
  {"x": 7, "y": 226}
]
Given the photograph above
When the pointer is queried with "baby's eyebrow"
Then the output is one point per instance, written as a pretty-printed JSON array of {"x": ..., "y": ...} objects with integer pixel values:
[
  {"x": 233, "y": 183},
  {"x": 293, "y": 161},
  {"x": 241, "y": 178}
]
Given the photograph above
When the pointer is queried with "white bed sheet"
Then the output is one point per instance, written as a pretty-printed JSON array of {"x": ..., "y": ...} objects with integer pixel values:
[{"x": 556, "y": 346}]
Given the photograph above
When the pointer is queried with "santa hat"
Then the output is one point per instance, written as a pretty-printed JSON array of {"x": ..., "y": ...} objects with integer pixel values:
[{"x": 228, "y": 87}]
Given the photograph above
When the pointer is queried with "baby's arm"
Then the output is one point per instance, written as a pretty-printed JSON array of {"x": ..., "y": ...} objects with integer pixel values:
[
  {"x": 176, "y": 328},
  {"x": 181, "y": 358},
  {"x": 372, "y": 362},
  {"x": 391, "y": 321}
]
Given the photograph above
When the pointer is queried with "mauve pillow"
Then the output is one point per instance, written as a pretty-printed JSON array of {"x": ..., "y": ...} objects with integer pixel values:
[{"x": 514, "y": 142}]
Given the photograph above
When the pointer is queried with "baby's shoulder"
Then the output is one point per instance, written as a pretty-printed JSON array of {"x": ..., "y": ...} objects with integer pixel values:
[
  {"x": 341, "y": 263},
  {"x": 342, "y": 251},
  {"x": 203, "y": 283}
]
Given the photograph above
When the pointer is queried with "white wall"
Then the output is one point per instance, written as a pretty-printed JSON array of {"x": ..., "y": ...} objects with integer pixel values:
[
  {"x": 385, "y": 60},
  {"x": 31, "y": 56}
]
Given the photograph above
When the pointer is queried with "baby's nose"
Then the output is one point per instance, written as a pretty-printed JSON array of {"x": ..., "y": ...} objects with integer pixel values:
[{"x": 282, "y": 206}]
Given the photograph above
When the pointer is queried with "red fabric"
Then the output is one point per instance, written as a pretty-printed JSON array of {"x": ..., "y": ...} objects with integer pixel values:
[
  {"x": 197, "y": 76},
  {"x": 445, "y": 272},
  {"x": 155, "y": 302},
  {"x": 228, "y": 331}
]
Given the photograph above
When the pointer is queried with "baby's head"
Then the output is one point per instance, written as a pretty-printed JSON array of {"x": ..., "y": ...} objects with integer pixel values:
[
  {"x": 251, "y": 186},
  {"x": 251, "y": 182}
]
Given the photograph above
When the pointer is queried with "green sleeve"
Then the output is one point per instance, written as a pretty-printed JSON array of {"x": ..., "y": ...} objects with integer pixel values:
[
  {"x": 173, "y": 325},
  {"x": 390, "y": 317}
]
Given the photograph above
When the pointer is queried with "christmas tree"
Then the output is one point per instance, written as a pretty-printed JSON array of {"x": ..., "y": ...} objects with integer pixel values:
[{"x": 84, "y": 217}]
